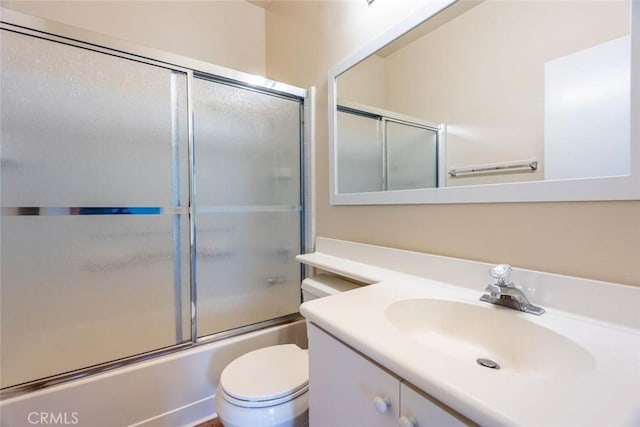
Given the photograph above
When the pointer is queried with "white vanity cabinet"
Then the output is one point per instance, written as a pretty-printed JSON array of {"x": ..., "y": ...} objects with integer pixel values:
[
  {"x": 348, "y": 390},
  {"x": 420, "y": 410}
]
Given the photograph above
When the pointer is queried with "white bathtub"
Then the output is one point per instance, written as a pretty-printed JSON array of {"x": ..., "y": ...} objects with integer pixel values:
[{"x": 173, "y": 390}]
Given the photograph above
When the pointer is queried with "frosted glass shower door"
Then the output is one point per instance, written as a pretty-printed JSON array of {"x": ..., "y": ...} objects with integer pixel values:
[
  {"x": 412, "y": 156},
  {"x": 95, "y": 226},
  {"x": 360, "y": 153},
  {"x": 248, "y": 208}
]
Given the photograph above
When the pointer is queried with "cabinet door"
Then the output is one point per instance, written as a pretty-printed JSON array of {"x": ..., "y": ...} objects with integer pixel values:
[
  {"x": 347, "y": 390},
  {"x": 420, "y": 410}
]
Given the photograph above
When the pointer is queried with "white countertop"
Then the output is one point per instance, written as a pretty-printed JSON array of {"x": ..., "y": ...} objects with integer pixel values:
[{"x": 603, "y": 392}]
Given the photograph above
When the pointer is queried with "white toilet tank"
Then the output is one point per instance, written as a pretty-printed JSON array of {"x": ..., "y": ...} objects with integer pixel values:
[{"x": 323, "y": 285}]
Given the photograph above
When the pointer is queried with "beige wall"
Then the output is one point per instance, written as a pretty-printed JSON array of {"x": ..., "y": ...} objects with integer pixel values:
[
  {"x": 365, "y": 83},
  {"x": 228, "y": 33},
  {"x": 599, "y": 240}
]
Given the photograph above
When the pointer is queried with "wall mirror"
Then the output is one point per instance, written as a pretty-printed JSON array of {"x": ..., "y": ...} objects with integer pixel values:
[{"x": 491, "y": 101}]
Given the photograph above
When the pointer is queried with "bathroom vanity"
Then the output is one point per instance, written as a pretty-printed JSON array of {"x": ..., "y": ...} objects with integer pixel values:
[
  {"x": 419, "y": 348},
  {"x": 361, "y": 392}
]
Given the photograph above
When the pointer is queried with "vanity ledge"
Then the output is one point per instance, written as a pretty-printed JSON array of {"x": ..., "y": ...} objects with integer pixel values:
[{"x": 603, "y": 301}]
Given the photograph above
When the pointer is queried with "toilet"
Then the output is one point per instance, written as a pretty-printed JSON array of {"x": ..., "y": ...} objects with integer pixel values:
[{"x": 268, "y": 387}]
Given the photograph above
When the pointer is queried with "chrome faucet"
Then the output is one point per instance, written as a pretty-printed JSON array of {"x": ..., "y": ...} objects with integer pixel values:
[{"x": 504, "y": 292}]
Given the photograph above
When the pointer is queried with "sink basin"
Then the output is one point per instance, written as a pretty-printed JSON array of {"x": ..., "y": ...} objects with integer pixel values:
[{"x": 468, "y": 332}]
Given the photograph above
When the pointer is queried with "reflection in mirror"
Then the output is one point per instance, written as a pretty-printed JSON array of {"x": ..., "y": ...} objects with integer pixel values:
[
  {"x": 411, "y": 156},
  {"x": 382, "y": 151},
  {"x": 528, "y": 91}
]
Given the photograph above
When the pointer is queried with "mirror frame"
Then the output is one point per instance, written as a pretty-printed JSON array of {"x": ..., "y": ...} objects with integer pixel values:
[{"x": 625, "y": 187}]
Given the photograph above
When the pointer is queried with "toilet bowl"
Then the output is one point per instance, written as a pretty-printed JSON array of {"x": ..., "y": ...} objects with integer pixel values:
[
  {"x": 268, "y": 387},
  {"x": 265, "y": 388}
]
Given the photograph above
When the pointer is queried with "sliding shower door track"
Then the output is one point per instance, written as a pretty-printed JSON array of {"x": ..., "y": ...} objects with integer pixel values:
[{"x": 20, "y": 389}]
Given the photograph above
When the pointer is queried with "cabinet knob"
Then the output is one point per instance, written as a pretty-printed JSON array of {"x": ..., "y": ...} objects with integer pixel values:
[
  {"x": 382, "y": 404},
  {"x": 406, "y": 421}
]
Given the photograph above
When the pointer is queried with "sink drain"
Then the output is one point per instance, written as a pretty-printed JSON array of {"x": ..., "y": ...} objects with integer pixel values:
[{"x": 487, "y": 363}]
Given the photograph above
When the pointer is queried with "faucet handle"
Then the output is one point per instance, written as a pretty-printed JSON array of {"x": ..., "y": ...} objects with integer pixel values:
[{"x": 501, "y": 272}]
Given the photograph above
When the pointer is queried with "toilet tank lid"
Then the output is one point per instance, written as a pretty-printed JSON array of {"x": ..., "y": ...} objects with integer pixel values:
[
  {"x": 267, "y": 373},
  {"x": 323, "y": 285}
]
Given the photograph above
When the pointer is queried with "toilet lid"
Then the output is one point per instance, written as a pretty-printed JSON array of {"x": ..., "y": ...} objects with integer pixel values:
[{"x": 267, "y": 374}]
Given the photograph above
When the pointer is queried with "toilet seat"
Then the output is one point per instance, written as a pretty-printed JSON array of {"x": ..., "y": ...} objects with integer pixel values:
[
  {"x": 263, "y": 403},
  {"x": 266, "y": 377}
]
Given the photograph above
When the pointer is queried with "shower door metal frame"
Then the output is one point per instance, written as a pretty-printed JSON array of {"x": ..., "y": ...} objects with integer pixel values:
[{"x": 52, "y": 31}]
